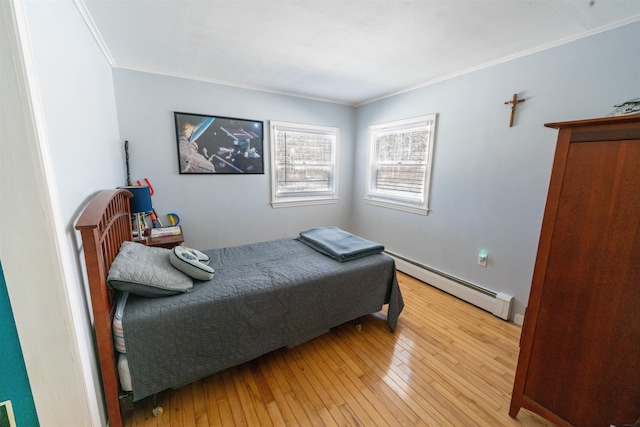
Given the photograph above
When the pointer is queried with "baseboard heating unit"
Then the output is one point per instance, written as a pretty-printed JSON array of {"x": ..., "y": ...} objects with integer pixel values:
[{"x": 497, "y": 303}]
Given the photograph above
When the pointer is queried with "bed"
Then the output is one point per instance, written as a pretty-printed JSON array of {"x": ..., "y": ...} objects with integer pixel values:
[{"x": 263, "y": 296}]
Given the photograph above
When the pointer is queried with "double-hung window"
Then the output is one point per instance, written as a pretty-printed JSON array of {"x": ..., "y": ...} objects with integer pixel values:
[
  {"x": 399, "y": 169},
  {"x": 304, "y": 164}
]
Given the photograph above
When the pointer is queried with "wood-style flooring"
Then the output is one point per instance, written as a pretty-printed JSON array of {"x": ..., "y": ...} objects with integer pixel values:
[{"x": 448, "y": 364}]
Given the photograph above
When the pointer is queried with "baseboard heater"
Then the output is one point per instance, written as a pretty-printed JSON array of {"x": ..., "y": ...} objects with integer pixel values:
[{"x": 497, "y": 303}]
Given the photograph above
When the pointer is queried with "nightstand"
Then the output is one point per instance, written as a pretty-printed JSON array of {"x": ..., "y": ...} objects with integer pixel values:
[{"x": 165, "y": 241}]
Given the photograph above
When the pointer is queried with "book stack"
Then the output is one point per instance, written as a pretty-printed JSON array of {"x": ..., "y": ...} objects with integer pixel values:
[{"x": 165, "y": 231}]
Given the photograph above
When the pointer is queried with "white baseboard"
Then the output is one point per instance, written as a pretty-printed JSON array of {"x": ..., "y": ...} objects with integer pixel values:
[
  {"x": 497, "y": 303},
  {"x": 518, "y": 319}
]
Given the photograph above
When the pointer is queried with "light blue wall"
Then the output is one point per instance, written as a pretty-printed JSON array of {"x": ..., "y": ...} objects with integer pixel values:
[
  {"x": 61, "y": 120},
  {"x": 222, "y": 210},
  {"x": 490, "y": 181},
  {"x": 14, "y": 383}
]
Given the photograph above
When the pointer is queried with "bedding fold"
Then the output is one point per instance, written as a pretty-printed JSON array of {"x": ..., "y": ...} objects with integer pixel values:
[{"x": 339, "y": 244}]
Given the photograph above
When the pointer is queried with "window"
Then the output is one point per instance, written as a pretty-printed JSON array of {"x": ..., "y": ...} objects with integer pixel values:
[
  {"x": 399, "y": 169},
  {"x": 304, "y": 164}
]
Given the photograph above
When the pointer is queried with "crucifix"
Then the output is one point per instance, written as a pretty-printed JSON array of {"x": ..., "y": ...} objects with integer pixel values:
[{"x": 513, "y": 103}]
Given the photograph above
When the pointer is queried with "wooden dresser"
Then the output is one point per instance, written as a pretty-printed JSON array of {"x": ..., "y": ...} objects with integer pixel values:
[{"x": 579, "y": 360}]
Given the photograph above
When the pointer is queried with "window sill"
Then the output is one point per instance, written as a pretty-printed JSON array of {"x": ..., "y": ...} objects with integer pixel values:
[
  {"x": 301, "y": 202},
  {"x": 397, "y": 206}
]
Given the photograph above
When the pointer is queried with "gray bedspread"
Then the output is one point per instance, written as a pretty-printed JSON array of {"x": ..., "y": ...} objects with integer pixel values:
[{"x": 263, "y": 296}]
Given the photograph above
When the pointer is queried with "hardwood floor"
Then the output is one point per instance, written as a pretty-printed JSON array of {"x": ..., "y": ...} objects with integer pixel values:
[{"x": 447, "y": 364}]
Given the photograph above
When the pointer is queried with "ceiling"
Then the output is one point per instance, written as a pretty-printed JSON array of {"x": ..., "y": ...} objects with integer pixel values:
[{"x": 344, "y": 51}]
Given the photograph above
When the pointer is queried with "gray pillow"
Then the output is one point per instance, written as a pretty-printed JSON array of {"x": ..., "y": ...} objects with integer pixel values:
[{"x": 146, "y": 271}]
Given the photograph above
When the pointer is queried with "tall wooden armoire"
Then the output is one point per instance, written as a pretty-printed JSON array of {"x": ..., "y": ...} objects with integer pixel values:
[{"x": 579, "y": 360}]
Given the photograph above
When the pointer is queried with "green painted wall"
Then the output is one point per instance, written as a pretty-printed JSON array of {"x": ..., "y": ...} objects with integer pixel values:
[{"x": 14, "y": 383}]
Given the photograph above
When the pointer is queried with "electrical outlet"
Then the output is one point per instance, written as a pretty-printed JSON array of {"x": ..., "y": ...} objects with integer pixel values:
[{"x": 482, "y": 257}]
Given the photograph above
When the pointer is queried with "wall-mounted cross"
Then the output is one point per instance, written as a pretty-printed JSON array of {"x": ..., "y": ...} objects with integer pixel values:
[{"x": 513, "y": 103}]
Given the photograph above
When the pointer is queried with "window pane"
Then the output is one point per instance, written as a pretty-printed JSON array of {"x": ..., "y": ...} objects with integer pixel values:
[
  {"x": 401, "y": 179},
  {"x": 403, "y": 147},
  {"x": 301, "y": 148},
  {"x": 303, "y": 178},
  {"x": 303, "y": 162}
]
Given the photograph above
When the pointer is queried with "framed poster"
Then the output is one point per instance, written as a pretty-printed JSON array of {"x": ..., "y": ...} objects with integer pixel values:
[{"x": 214, "y": 144}]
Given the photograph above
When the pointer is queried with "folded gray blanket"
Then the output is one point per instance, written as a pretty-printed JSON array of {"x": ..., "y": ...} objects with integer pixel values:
[{"x": 339, "y": 244}]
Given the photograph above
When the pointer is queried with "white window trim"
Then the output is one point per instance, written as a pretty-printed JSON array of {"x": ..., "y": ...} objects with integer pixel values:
[
  {"x": 283, "y": 202},
  {"x": 389, "y": 201}
]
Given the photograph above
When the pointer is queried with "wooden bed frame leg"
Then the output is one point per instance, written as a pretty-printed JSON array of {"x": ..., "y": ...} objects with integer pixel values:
[
  {"x": 359, "y": 324},
  {"x": 157, "y": 409}
]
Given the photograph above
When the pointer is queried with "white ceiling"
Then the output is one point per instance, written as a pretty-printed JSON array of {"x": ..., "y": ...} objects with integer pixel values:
[{"x": 344, "y": 51}]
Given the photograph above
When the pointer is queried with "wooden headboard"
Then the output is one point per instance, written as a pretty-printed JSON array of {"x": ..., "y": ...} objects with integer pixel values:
[{"x": 104, "y": 224}]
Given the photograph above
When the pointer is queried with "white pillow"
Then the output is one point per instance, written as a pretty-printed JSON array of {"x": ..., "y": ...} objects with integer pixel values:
[{"x": 187, "y": 261}]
